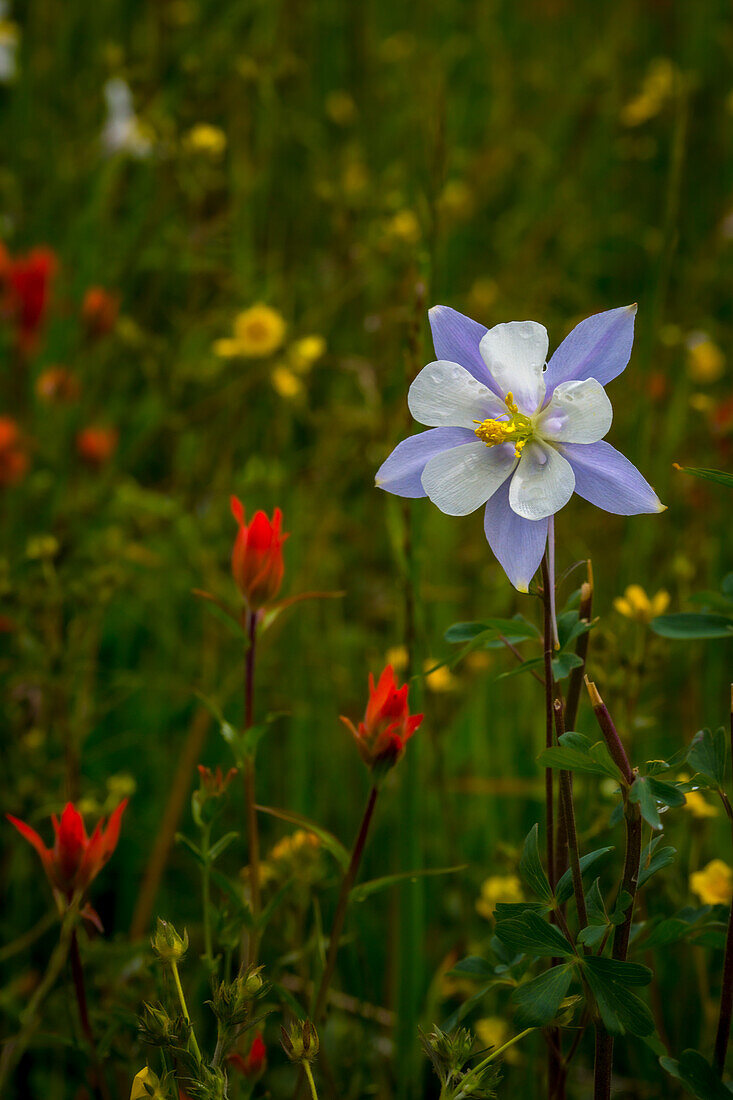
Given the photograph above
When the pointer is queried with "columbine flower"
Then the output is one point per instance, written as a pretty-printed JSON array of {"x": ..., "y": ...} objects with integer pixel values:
[
  {"x": 714, "y": 884},
  {"x": 257, "y": 558},
  {"x": 515, "y": 435},
  {"x": 636, "y": 605},
  {"x": 388, "y": 724},
  {"x": 258, "y": 331},
  {"x": 75, "y": 859}
]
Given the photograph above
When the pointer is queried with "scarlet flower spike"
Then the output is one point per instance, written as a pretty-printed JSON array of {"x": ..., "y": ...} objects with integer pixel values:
[
  {"x": 75, "y": 859},
  {"x": 254, "y": 1062},
  {"x": 387, "y": 725},
  {"x": 257, "y": 561},
  {"x": 28, "y": 282}
]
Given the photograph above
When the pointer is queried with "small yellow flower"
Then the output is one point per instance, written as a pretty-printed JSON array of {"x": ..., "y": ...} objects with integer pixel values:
[
  {"x": 354, "y": 178},
  {"x": 258, "y": 331},
  {"x": 303, "y": 353},
  {"x": 699, "y": 806},
  {"x": 204, "y": 138},
  {"x": 404, "y": 226},
  {"x": 636, "y": 605},
  {"x": 440, "y": 679},
  {"x": 714, "y": 884},
  {"x": 705, "y": 360},
  {"x": 456, "y": 199},
  {"x": 340, "y": 108},
  {"x": 498, "y": 888},
  {"x": 286, "y": 383},
  {"x": 146, "y": 1086},
  {"x": 656, "y": 90},
  {"x": 398, "y": 657}
]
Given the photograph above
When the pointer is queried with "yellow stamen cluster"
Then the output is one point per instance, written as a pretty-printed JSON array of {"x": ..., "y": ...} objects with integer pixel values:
[{"x": 516, "y": 430}]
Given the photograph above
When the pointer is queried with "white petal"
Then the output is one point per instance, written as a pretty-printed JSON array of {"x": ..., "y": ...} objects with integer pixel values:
[
  {"x": 462, "y": 479},
  {"x": 579, "y": 412},
  {"x": 515, "y": 353},
  {"x": 543, "y": 482},
  {"x": 445, "y": 395}
]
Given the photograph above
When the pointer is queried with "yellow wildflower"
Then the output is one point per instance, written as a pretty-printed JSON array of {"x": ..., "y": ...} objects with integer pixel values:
[
  {"x": 146, "y": 1086},
  {"x": 340, "y": 108},
  {"x": 695, "y": 803},
  {"x": 285, "y": 382},
  {"x": 304, "y": 352},
  {"x": 456, "y": 199},
  {"x": 705, "y": 360},
  {"x": 714, "y": 884},
  {"x": 498, "y": 888},
  {"x": 656, "y": 90},
  {"x": 636, "y": 605},
  {"x": 404, "y": 226},
  {"x": 440, "y": 679},
  {"x": 398, "y": 657},
  {"x": 493, "y": 1031},
  {"x": 258, "y": 331},
  {"x": 205, "y": 138}
]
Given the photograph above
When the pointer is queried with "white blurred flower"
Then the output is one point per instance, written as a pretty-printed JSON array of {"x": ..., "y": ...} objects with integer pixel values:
[
  {"x": 123, "y": 132},
  {"x": 9, "y": 41}
]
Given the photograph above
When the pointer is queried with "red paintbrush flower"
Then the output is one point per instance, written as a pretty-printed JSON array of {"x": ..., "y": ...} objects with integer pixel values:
[
  {"x": 13, "y": 455},
  {"x": 96, "y": 445},
  {"x": 75, "y": 859},
  {"x": 388, "y": 724},
  {"x": 28, "y": 280},
  {"x": 254, "y": 1063},
  {"x": 257, "y": 559}
]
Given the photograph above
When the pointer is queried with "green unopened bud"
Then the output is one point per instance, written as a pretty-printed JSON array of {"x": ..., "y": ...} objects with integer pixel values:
[
  {"x": 301, "y": 1042},
  {"x": 167, "y": 944},
  {"x": 161, "y": 1030},
  {"x": 232, "y": 1001}
]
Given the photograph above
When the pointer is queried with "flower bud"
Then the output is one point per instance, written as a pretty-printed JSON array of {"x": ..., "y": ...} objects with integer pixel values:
[
  {"x": 300, "y": 1043},
  {"x": 167, "y": 944},
  {"x": 387, "y": 726},
  {"x": 232, "y": 1001},
  {"x": 257, "y": 559},
  {"x": 161, "y": 1030}
]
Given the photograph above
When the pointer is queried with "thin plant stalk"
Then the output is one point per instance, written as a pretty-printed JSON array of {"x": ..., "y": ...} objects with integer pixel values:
[
  {"x": 722, "y": 1036},
  {"x": 206, "y": 894},
  {"x": 77, "y": 973},
  {"x": 184, "y": 1007},
  {"x": 249, "y": 790},
  {"x": 311, "y": 1082},
  {"x": 472, "y": 1076},
  {"x": 566, "y": 794}
]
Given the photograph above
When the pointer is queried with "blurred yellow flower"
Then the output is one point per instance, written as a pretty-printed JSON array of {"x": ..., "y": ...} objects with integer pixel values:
[
  {"x": 482, "y": 295},
  {"x": 456, "y": 199},
  {"x": 699, "y": 806},
  {"x": 705, "y": 360},
  {"x": 404, "y": 226},
  {"x": 205, "y": 138},
  {"x": 701, "y": 402},
  {"x": 286, "y": 383},
  {"x": 493, "y": 1031},
  {"x": 655, "y": 91},
  {"x": 340, "y": 108},
  {"x": 398, "y": 657},
  {"x": 304, "y": 352},
  {"x": 355, "y": 178},
  {"x": 440, "y": 679},
  {"x": 714, "y": 884},
  {"x": 258, "y": 331},
  {"x": 498, "y": 888},
  {"x": 636, "y": 605}
]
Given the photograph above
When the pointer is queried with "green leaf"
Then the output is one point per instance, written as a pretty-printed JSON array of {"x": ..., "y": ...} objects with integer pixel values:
[
  {"x": 539, "y": 1000},
  {"x": 621, "y": 1010},
  {"x": 697, "y": 1075},
  {"x": 195, "y": 852},
  {"x": 518, "y": 628},
  {"x": 576, "y": 753},
  {"x": 328, "y": 840},
  {"x": 653, "y": 859},
  {"x": 473, "y": 966},
  {"x": 365, "y": 889},
  {"x": 531, "y": 869},
  {"x": 221, "y": 846},
  {"x": 692, "y": 625},
  {"x": 708, "y": 754},
  {"x": 720, "y": 477},
  {"x": 470, "y": 1003},
  {"x": 564, "y": 663},
  {"x": 532, "y": 935},
  {"x": 526, "y": 666},
  {"x": 564, "y": 888}
]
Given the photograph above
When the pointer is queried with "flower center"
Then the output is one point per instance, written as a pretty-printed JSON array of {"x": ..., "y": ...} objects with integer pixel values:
[{"x": 517, "y": 429}]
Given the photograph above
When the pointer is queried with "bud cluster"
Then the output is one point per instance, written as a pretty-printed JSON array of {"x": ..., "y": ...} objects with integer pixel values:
[
  {"x": 232, "y": 1002},
  {"x": 300, "y": 1043},
  {"x": 450, "y": 1053}
]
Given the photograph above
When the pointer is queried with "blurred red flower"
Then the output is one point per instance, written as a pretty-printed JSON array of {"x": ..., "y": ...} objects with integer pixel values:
[
  {"x": 96, "y": 445},
  {"x": 255, "y": 1061},
  {"x": 27, "y": 284},
  {"x": 99, "y": 310},
  {"x": 13, "y": 455},
  {"x": 57, "y": 385},
  {"x": 388, "y": 724},
  {"x": 75, "y": 859},
  {"x": 257, "y": 560}
]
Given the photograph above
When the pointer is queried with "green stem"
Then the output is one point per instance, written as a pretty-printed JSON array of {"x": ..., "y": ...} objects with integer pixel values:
[
  {"x": 184, "y": 1007},
  {"x": 477, "y": 1070},
  {"x": 206, "y": 893},
  {"x": 249, "y": 790},
  {"x": 722, "y": 1036},
  {"x": 311, "y": 1082}
]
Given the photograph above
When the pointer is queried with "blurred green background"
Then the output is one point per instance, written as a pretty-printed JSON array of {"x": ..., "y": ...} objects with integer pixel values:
[{"x": 347, "y": 164}]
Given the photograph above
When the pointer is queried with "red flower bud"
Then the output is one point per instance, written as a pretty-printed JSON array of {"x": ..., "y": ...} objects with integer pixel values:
[
  {"x": 257, "y": 559},
  {"x": 255, "y": 1061},
  {"x": 75, "y": 859},
  {"x": 99, "y": 311},
  {"x": 28, "y": 280},
  {"x": 13, "y": 455},
  {"x": 388, "y": 724},
  {"x": 96, "y": 445}
]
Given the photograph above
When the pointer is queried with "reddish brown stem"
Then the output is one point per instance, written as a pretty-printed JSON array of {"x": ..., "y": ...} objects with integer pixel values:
[
  {"x": 722, "y": 1036},
  {"x": 77, "y": 973},
  {"x": 249, "y": 789}
]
